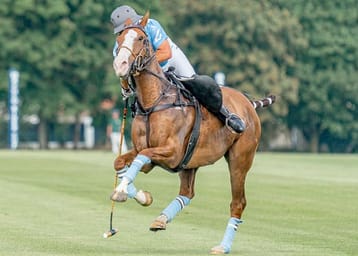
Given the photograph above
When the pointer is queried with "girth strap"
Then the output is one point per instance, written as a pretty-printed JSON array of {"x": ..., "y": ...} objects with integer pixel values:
[
  {"x": 146, "y": 113},
  {"x": 194, "y": 136}
]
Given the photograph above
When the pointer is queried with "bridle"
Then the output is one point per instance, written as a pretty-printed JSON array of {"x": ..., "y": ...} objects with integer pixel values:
[{"x": 142, "y": 58}]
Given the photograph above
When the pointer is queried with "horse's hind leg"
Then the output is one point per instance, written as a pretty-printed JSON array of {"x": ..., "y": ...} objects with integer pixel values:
[
  {"x": 239, "y": 164},
  {"x": 186, "y": 193}
]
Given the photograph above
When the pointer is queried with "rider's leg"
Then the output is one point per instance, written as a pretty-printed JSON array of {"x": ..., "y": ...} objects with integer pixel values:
[
  {"x": 209, "y": 94},
  {"x": 179, "y": 62},
  {"x": 206, "y": 92},
  {"x": 231, "y": 120}
]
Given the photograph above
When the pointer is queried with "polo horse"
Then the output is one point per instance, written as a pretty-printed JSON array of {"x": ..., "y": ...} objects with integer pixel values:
[{"x": 166, "y": 126}]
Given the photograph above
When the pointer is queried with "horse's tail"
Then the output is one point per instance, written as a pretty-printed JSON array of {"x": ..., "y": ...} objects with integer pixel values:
[{"x": 269, "y": 100}]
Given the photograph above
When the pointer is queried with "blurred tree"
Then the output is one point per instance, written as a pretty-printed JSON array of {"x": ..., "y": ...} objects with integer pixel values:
[
  {"x": 61, "y": 49},
  {"x": 327, "y": 110},
  {"x": 64, "y": 52},
  {"x": 252, "y": 42}
]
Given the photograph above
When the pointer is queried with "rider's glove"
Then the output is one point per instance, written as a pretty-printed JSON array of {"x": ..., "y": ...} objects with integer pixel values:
[{"x": 126, "y": 93}]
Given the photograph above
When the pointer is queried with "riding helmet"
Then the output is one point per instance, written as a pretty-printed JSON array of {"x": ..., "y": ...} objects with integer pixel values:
[{"x": 120, "y": 15}]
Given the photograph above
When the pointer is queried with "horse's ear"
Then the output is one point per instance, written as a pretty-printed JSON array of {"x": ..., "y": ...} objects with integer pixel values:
[{"x": 145, "y": 19}]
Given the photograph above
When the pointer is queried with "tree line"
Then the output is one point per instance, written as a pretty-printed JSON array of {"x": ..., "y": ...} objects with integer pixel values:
[{"x": 305, "y": 52}]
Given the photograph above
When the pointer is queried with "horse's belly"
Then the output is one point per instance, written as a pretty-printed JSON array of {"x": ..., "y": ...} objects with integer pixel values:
[{"x": 212, "y": 145}]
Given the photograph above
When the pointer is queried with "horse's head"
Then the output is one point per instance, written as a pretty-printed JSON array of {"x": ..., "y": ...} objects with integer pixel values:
[{"x": 134, "y": 51}]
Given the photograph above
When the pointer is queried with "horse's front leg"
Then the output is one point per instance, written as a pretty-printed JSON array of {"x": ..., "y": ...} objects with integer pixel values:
[
  {"x": 128, "y": 189},
  {"x": 186, "y": 193},
  {"x": 165, "y": 154},
  {"x": 124, "y": 160}
]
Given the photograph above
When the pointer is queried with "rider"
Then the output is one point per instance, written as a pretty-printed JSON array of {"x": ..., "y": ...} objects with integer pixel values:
[{"x": 168, "y": 55}]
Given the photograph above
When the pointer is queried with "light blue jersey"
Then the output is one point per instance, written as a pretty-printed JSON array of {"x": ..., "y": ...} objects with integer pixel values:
[{"x": 156, "y": 36}]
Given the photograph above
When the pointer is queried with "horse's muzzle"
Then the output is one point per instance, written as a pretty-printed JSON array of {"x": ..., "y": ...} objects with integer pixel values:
[{"x": 121, "y": 67}]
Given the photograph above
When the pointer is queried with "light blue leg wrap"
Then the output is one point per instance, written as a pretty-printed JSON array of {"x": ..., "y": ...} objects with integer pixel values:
[
  {"x": 175, "y": 207},
  {"x": 230, "y": 233},
  {"x": 135, "y": 167},
  {"x": 132, "y": 191},
  {"x": 131, "y": 172}
]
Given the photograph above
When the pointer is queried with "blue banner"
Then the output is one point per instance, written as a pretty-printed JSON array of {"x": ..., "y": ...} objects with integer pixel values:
[{"x": 14, "y": 77}]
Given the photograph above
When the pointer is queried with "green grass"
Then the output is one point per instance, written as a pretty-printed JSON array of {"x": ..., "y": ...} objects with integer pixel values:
[{"x": 57, "y": 203}]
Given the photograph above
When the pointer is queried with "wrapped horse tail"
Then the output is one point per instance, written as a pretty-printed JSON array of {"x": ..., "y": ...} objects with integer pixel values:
[{"x": 265, "y": 102}]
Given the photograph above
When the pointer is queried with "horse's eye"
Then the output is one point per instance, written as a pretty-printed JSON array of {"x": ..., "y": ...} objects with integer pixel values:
[{"x": 140, "y": 38}]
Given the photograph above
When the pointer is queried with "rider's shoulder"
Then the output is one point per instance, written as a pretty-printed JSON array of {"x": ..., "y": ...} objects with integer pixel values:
[{"x": 153, "y": 24}]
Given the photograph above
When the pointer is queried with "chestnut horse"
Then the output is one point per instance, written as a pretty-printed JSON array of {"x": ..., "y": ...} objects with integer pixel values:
[{"x": 161, "y": 131}]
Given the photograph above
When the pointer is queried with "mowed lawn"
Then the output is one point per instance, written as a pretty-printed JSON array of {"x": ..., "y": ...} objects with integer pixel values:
[{"x": 57, "y": 203}]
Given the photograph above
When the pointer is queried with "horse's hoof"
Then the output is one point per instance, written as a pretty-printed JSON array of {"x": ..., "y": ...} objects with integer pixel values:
[
  {"x": 217, "y": 250},
  {"x": 146, "y": 198},
  {"x": 119, "y": 196},
  {"x": 160, "y": 223}
]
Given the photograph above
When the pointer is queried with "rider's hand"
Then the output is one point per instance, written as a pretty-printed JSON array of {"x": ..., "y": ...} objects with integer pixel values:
[{"x": 126, "y": 93}]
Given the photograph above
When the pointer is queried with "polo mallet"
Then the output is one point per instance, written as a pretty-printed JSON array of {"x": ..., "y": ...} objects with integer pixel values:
[{"x": 112, "y": 231}]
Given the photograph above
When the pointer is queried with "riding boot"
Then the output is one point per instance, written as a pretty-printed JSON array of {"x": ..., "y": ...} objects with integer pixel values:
[
  {"x": 205, "y": 89},
  {"x": 231, "y": 120}
]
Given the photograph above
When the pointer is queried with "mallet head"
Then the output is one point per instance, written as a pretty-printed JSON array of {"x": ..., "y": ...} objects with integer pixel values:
[{"x": 110, "y": 233}]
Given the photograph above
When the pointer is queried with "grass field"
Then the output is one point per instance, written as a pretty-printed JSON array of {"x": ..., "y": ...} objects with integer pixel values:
[{"x": 57, "y": 203}]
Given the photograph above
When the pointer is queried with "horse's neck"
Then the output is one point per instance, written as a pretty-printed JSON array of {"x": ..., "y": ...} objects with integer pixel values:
[{"x": 149, "y": 87}]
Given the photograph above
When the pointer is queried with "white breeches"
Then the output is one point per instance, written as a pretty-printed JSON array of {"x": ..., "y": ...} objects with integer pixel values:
[{"x": 179, "y": 61}]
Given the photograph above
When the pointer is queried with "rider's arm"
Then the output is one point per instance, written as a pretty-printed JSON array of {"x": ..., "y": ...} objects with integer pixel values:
[
  {"x": 159, "y": 41},
  {"x": 164, "y": 51}
]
